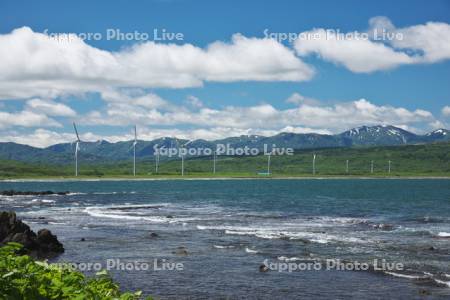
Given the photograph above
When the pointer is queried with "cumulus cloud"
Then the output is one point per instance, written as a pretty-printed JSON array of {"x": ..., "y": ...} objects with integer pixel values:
[
  {"x": 194, "y": 101},
  {"x": 382, "y": 47},
  {"x": 298, "y": 99},
  {"x": 26, "y": 118},
  {"x": 359, "y": 55},
  {"x": 42, "y": 138},
  {"x": 446, "y": 111},
  {"x": 36, "y": 65},
  {"x": 50, "y": 108},
  {"x": 306, "y": 114},
  {"x": 211, "y": 124}
]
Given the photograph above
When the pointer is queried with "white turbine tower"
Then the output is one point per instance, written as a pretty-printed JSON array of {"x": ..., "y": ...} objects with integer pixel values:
[
  {"x": 181, "y": 153},
  {"x": 134, "y": 151},
  {"x": 314, "y": 164},
  {"x": 371, "y": 167},
  {"x": 346, "y": 166},
  {"x": 77, "y": 148},
  {"x": 183, "y": 147},
  {"x": 214, "y": 160},
  {"x": 156, "y": 161},
  {"x": 268, "y": 163},
  {"x": 389, "y": 167}
]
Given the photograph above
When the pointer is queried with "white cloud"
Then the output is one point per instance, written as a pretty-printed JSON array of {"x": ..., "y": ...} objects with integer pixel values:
[
  {"x": 50, "y": 108},
  {"x": 446, "y": 111},
  {"x": 210, "y": 124},
  {"x": 357, "y": 54},
  {"x": 431, "y": 41},
  {"x": 307, "y": 114},
  {"x": 35, "y": 65},
  {"x": 26, "y": 118},
  {"x": 194, "y": 101},
  {"x": 298, "y": 99},
  {"x": 386, "y": 48},
  {"x": 42, "y": 138}
]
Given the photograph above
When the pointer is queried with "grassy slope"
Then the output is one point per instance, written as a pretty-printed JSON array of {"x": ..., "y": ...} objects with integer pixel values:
[{"x": 413, "y": 160}]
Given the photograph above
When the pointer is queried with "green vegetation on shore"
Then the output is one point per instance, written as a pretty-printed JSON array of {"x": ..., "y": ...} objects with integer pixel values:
[
  {"x": 409, "y": 160},
  {"x": 21, "y": 277}
]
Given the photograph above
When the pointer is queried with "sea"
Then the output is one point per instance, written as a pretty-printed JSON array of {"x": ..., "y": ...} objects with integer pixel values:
[{"x": 251, "y": 239}]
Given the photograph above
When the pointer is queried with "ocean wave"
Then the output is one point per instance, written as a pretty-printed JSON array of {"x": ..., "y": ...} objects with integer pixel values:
[
  {"x": 443, "y": 234},
  {"x": 288, "y": 259},
  {"x": 431, "y": 278},
  {"x": 408, "y": 276},
  {"x": 223, "y": 246},
  {"x": 251, "y": 251},
  {"x": 37, "y": 200},
  {"x": 271, "y": 233},
  {"x": 128, "y": 212}
]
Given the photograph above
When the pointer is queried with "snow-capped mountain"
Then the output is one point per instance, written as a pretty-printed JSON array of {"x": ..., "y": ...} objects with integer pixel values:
[{"x": 380, "y": 135}]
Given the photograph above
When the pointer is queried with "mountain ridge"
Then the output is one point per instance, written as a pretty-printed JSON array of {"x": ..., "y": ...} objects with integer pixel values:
[{"x": 102, "y": 150}]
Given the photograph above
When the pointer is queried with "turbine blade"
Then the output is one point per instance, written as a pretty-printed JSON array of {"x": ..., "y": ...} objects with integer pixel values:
[{"x": 76, "y": 131}]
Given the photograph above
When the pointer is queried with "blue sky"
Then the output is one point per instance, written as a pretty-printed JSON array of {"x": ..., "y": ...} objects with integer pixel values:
[{"x": 244, "y": 85}]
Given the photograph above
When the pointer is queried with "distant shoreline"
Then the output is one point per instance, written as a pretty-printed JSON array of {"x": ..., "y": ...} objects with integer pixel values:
[{"x": 220, "y": 178}]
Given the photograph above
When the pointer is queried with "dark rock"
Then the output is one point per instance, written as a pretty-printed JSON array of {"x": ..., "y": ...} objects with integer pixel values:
[
  {"x": 31, "y": 193},
  {"x": 384, "y": 226},
  {"x": 43, "y": 244},
  {"x": 263, "y": 268},
  {"x": 154, "y": 235},
  {"x": 424, "y": 292},
  {"x": 431, "y": 248},
  {"x": 169, "y": 216},
  {"x": 41, "y": 218},
  {"x": 48, "y": 242},
  {"x": 181, "y": 251},
  {"x": 82, "y": 240}
]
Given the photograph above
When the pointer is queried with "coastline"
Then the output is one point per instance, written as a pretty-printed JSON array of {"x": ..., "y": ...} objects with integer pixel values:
[{"x": 222, "y": 178}]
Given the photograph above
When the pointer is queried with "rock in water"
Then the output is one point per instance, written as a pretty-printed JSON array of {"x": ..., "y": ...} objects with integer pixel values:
[
  {"x": 31, "y": 193},
  {"x": 263, "y": 268},
  {"x": 154, "y": 235},
  {"x": 48, "y": 242},
  {"x": 43, "y": 244}
]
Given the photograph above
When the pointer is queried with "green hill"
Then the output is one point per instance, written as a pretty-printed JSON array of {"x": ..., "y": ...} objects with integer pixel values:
[{"x": 407, "y": 160}]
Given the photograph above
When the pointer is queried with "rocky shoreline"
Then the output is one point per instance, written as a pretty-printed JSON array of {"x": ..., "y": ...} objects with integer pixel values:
[{"x": 44, "y": 244}]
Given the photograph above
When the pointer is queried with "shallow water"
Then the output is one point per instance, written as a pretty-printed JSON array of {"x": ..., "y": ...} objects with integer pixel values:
[{"x": 230, "y": 227}]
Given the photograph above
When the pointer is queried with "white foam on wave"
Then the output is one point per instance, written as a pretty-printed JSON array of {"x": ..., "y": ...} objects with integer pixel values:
[
  {"x": 125, "y": 212},
  {"x": 251, "y": 251},
  {"x": 417, "y": 277},
  {"x": 443, "y": 234},
  {"x": 447, "y": 283},
  {"x": 279, "y": 233},
  {"x": 288, "y": 259},
  {"x": 223, "y": 246},
  {"x": 100, "y": 212},
  {"x": 405, "y": 275},
  {"x": 43, "y": 200}
]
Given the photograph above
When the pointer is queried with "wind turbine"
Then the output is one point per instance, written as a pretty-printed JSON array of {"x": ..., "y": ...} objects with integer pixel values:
[
  {"x": 156, "y": 161},
  {"x": 371, "y": 167},
  {"x": 182, "y": 154},
  {"x": 314, "y": 164},
  {"x": 389, "y": 167},
  {"x": 268, "y": 163},
  {"x": 77, "y": 148},
  {"x": 214, "y": 160},
  {"x": 346, "y": 166},
  {"x": 134, "y": 151}
]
